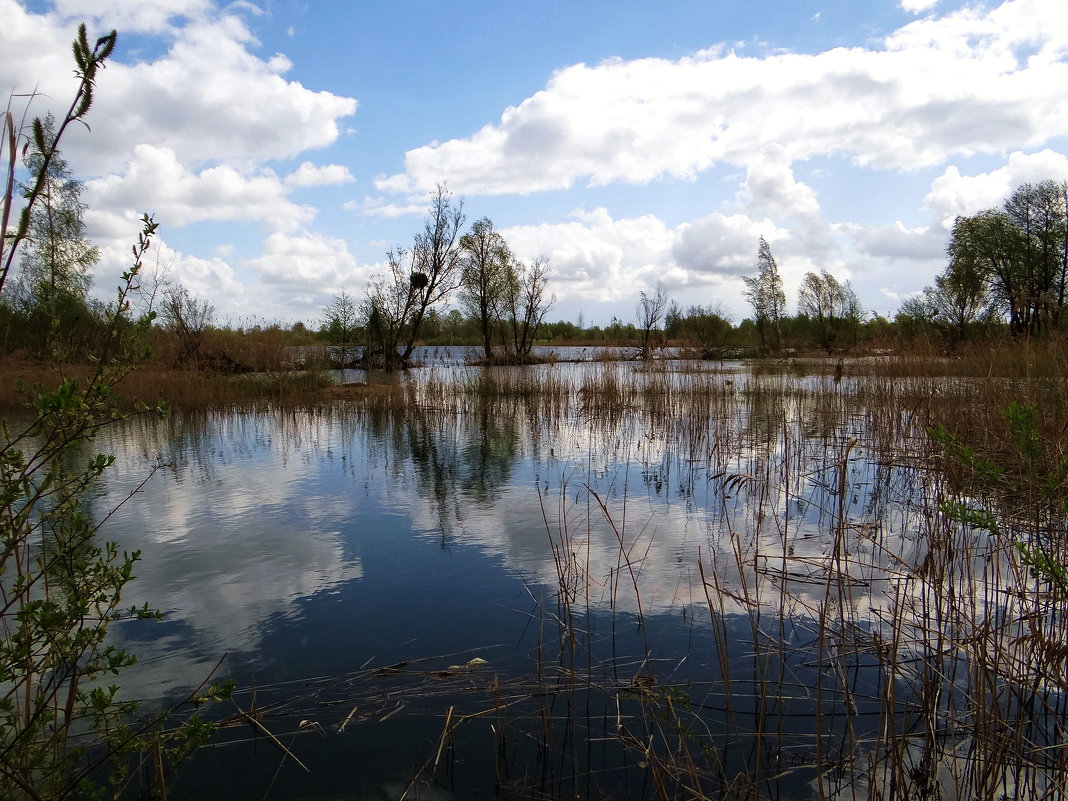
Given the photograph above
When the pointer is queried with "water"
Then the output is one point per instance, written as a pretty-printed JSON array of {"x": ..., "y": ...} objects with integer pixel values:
[{"x": 316, "y": 549}]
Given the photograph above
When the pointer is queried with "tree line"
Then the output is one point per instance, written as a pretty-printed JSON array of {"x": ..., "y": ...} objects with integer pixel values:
[{"x": 1006, "y": 273}]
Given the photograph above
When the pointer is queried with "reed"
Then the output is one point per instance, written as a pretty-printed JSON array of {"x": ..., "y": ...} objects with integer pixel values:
[{"x": 850, "y": 629}]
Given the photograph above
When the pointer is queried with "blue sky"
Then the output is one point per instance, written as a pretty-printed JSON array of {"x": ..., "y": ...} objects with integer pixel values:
[{"x": 285, "y": 146}]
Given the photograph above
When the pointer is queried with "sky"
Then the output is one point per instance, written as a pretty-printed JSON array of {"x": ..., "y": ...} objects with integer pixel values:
[{"x": 284, "y": 146}]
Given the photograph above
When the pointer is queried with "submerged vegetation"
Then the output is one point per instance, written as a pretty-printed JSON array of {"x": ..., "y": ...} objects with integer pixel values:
[{"x": 867, "y": 602}]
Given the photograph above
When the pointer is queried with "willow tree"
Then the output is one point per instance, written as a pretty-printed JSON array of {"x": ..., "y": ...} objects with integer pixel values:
[
  {"x": 833, "y": 307},
  {"x": 766, "y": 295},
  {"x": 527, "y": 302}
]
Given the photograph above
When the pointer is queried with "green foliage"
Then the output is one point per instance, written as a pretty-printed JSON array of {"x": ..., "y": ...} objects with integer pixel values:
[
  {"x": 340, "y": 325},
  {"x": 1008, "y": 264},
  {"x": 90, "y": 59},
  {"x": 833, "y": 308},
  {"x": 62, "y": 717},
  {"x": 1021, "y": 493}
]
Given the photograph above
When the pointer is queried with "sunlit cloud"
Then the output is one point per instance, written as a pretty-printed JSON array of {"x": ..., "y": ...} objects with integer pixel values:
[{"x": 636, "y": 121}]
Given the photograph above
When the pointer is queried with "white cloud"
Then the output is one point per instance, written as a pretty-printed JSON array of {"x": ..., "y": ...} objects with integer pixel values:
[
  {"x": 154, "y": 17},
  {"x": 155, "y": 179},
  {"x": 953, "y": 194},
  {"x": 895, "y": 242},
  {"x": 595, "y": 256},
  {"x": 998, "y": 83},
  {"x": 918, "y": 6},
  {"x": 380, "y": 207},
  {"x": 721, "y": 244},
  {"x": 204, "y": 99},
  {"x": 770, "y": 188},
  {"x": 304, "y": 260},
  {"x": 307, "y": 174}
]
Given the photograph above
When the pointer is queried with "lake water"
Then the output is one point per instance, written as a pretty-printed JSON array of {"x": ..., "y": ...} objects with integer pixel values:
[{"x": 347, "y": 563}]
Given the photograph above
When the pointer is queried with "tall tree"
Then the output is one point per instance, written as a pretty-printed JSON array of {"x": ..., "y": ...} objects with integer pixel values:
[
  {"x": 766, "y": 295},
  {"x": 527, "y": 304},
  {"x": 1038, "y": 212},
  {"x": 486, "y": 276},
  {"x": 55, "y": 280},
  {"x": 987, "y": 247},
  {"x": 436, "y": 258}
]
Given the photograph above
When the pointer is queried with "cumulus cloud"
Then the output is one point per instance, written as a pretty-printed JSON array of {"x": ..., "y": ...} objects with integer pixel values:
[
  {"x": 722, "y": 245},
  {"x": 596, "y": 257},
  {"x": 953, "y": 194},
  {"x": 156, "y": 179},
  {"x": 203, "y": 99},
  {"x": 895, "y": 242},
  {"x": 307, "y": 174},
  {"x": 303, "y": 259},
  {"x": 998, "y": 77},
  {"x": 770, "y": 187}
]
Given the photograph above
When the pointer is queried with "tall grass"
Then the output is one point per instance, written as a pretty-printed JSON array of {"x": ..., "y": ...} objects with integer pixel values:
[{"x": 846, "y": 636}]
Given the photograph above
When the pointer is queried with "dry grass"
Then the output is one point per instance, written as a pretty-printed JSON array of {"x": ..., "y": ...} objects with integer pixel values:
[
  {"x": 898, "y": 655},
  {"x": 183, "y": 390},
  {"x": 926, "y": 658}
]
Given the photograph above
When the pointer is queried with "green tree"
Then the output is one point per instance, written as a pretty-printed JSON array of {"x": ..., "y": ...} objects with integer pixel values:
[
  {"x": 766, "y": 295},
  {"x": 1038, "y": 212},
  {"x": 89, "y": 60},
  {"x": 54, "y": 282},
  {"x": 709, "y": 325},
  {"x": 833, "y": 307},
  {"x": 988, "y": 246},
  {"x": 59, "y": 257},
  {"x": 487, "y": 274}
]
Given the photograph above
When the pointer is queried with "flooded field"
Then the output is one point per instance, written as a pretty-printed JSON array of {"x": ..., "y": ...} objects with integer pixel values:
[{"x": 601, "y": 580}]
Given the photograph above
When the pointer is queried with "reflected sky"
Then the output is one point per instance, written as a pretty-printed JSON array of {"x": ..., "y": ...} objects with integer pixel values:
[
  {"x": 690, "y": 521},
  {"x": 301, "y": 543}
]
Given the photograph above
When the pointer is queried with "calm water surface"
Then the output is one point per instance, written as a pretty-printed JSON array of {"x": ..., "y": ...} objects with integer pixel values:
[{"x": 314, "y": 549}]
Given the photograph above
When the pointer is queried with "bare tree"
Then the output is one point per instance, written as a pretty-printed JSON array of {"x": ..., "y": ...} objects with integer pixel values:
[
  {"x": 436, "y": 259},
  {"x": 188, "y": 317},
  {"x": 650, "y": 312},
  {"x": 389, "y": 309},
  {"x": 416, "y": 280},
  {"x": 527, "y": 304}
]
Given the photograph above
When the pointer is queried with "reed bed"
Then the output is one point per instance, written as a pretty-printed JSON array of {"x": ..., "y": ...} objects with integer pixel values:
[{"x": 848, "y": 632}]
